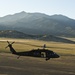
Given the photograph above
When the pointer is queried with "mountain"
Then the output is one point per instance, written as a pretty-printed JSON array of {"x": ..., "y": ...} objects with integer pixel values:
[{"x": 39, "y": 23}]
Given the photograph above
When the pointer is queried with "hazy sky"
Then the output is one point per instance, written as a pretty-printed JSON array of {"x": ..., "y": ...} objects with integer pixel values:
[{"x": 50, "y": 7}]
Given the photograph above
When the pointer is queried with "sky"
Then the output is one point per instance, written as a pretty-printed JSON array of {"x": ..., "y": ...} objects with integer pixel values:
[{"x": 49, "y": 7}]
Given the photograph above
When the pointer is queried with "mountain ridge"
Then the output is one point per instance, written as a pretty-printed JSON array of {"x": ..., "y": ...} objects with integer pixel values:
[{"x": 39, "y": 23}]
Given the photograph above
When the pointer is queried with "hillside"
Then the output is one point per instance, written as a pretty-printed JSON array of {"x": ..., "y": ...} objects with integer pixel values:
[
  {"x": 12, "y": 34},
  {"x": 39, "y": 23},
  {"x": 17, "y": 34}
]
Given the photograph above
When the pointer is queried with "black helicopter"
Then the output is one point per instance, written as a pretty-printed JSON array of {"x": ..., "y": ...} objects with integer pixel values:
[{"x": 42, "y": 53}]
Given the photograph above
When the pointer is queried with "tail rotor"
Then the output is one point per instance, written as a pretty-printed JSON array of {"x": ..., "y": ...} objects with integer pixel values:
[
  {"x": 10, "y": 47},
  {"x": 9, "y": 44}
]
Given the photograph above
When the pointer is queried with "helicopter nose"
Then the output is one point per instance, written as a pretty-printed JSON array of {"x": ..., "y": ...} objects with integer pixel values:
[{"x": 57, "y": 56}]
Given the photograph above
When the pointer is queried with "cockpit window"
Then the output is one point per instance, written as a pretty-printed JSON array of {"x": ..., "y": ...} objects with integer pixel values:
[{"x": 54, "y": 53}]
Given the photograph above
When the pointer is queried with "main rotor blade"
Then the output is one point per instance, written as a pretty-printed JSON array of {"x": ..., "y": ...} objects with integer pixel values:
[{"x": 28, "y": 44}]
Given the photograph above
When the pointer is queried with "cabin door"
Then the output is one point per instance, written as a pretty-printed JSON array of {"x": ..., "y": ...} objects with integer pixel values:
[{"x": 43, "y": 54}]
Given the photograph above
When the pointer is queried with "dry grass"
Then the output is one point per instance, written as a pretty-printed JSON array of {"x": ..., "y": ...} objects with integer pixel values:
[
  {"x": 10, "y": 65},
  {"x": 61, "y": 48}
]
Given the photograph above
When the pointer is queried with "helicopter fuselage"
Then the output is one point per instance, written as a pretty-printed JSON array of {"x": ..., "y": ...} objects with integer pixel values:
[{"x": 42, "y": 53}]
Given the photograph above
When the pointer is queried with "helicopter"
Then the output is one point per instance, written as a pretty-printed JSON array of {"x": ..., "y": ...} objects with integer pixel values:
[{"x": 41, "y": 53}]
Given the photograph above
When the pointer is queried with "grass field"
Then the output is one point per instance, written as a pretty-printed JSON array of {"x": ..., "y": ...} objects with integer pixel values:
[{"x": 10, "y": 65}]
